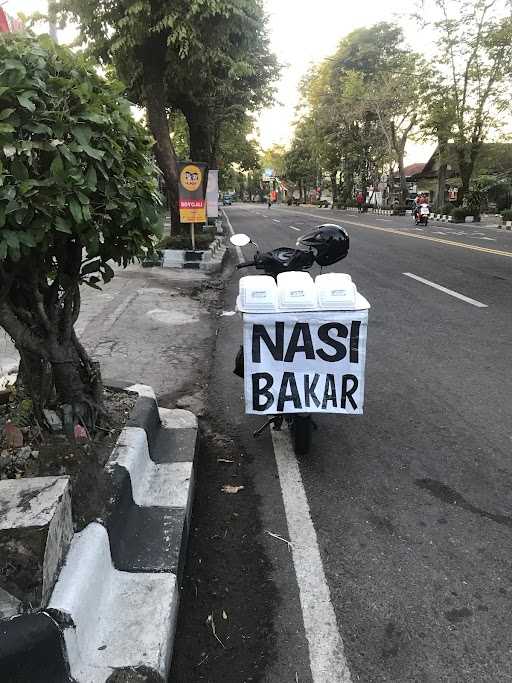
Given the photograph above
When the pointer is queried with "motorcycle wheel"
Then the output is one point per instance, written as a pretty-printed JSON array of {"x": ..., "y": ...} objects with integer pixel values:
[{"x": 301, "y": 428}]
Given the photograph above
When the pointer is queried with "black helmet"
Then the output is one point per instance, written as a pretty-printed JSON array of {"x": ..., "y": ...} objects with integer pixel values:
[{"x": 330, "y": 243}]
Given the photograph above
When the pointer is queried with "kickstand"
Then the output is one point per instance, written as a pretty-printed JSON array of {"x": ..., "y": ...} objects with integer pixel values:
[{"x": 277, "y": 421}]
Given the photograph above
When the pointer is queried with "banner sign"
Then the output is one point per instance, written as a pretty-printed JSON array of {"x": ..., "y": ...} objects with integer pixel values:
[
  {"x": 192, "y": 185},
  {"x": 310, "y": 362},
  {"x": 212, "y": 194}
]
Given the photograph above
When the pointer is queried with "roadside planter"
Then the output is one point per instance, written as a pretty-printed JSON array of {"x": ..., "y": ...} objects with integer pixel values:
[
  {"x": 105, "y": 600},
  {"x": 209, "y": 260}
]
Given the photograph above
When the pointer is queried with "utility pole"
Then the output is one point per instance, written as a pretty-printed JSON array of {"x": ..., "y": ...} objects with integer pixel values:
[{"x": 52, "y": 20}]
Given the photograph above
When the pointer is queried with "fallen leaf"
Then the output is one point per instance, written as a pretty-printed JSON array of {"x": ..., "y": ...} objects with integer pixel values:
[
  {"x": 80, "y": 433},
  {"x": 214, "y": 631},
  {"x": 225, "y": 460},
  {"x": 13, "y": 436},
  {"x": 224, "y": 615},
  {"x": 229, "y": 488}
]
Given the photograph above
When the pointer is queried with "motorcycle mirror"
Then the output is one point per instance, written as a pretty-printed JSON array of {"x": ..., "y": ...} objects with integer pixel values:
[{"x": 240, "y": 240}]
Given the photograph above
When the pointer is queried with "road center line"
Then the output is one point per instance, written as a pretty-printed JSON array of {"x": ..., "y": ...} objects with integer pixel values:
[
  {"x": 326, "y": 653},
  {"x": 467, "y": 299},
  {"x": 275, "y": 220},
  {"x": 294, "y": 228},
  {"x": 395, "y": 231}
]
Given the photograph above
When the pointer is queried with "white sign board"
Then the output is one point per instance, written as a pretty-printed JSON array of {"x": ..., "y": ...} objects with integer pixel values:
[
  {"x": 212, "y": 195},
  {"x": 311, "y": 362}
]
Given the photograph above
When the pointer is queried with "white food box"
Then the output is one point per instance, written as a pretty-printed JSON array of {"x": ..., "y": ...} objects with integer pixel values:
[
  {"x": 335, "y": 291},
  {"x": 257, "y": 294},
  {"x": 296, "y": 292}
]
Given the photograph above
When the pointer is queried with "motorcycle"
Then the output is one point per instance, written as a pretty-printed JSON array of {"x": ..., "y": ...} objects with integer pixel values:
[
  {"x": 273, "y": 263},
  {"x": 422, "y": 215}
]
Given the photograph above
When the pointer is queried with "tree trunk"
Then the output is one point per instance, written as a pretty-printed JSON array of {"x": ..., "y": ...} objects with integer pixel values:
[
  {"x": 334, "y": 189},
  {"x": 441, "y": 175},
  {"x": 153, "y": 61},
  {"x": 201, "y": 147},
  {"x": 404, "y": 190}
]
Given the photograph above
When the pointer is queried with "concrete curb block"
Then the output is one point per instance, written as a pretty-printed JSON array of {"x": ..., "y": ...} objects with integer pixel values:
[{"x": 116, "y": 598}]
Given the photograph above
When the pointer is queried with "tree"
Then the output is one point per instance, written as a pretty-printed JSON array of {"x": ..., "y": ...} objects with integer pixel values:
[
  {"x": 228, "y": 79},
  {"x": 208, "y": 58},
  {"x": 437, "y": 122},
  {"x": 475, "y": 52},
  {"x": 78, "y": 189}
]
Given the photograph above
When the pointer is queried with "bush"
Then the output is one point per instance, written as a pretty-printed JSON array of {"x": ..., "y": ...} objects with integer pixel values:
[
  {"x": 506, "y": 215},
  {"x": 459, "y": 213},
  {"x": 447, "y": 209},
  {"x": 78, "y": 188},
  {"x": 182, "y": 241}
]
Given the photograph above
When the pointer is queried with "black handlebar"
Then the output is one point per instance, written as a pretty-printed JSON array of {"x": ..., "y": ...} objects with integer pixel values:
[{"x": 245, "y": 264}]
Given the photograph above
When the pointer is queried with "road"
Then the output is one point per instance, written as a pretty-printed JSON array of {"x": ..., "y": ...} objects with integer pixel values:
[{"x": 410, "y": 504}]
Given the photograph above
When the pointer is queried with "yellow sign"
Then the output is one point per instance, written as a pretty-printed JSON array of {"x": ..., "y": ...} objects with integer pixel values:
[{"x": 192, "y": 187}]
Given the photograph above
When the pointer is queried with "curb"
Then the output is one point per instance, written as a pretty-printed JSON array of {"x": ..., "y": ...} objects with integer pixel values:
[{"x": 114, "y": 607}]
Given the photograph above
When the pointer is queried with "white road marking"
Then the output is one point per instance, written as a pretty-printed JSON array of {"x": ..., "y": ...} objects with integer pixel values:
[
  {"x": 275, "y": 220},
  {"x": 386, "y": 220},
  {"x": 239, "y": 252},
  {"x": 294, "y": 228},
  {"x": 326, "y": 653},
  {"x": 467, "y": 299}
]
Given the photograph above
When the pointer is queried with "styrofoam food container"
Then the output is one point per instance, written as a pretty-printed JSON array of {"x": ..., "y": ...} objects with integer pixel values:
[
  {"x": 296, "y": 292},
  {"x": 335, "y": 291},
  {"x": 257, "y": 294}
]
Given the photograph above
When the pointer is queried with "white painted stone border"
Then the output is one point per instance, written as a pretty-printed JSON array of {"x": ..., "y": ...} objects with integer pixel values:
[
  {"x": 153, "y": 485},
  {"x": 116, "y": 619}
]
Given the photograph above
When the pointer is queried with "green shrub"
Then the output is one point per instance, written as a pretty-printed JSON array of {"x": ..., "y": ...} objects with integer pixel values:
[
  {"x": 459, "y": 214},
  {"x": 202, "y": 239},
  {"x": 78, "y": 190},
  {"x": 506, "y": 215},
  {"x": 447, "y": 209}
]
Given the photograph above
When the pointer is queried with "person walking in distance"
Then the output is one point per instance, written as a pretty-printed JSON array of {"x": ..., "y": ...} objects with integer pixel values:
[{"x": 360, "y": 201}]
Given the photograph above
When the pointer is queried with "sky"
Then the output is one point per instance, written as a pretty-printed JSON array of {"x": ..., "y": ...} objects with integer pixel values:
[{"x": 301, "y": 34}]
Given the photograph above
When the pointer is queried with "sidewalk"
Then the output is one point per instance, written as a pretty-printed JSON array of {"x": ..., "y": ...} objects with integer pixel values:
[{"x": 148, "y": 326}]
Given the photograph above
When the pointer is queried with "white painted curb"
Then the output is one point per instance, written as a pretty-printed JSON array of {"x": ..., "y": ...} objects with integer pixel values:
[
  {"x": 116, "y": 619},
  {"x": 153, "y": 485}
]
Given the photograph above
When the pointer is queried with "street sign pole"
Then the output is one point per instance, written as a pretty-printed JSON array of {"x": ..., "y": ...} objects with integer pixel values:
[{"x": 193, "y": 235}]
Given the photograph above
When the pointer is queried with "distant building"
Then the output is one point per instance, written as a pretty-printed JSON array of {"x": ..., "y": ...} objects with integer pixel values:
[{"x": 495, "y": 159}]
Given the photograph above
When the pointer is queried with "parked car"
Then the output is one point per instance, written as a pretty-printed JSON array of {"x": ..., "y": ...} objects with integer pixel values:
[{"x": 227, "y": 200}]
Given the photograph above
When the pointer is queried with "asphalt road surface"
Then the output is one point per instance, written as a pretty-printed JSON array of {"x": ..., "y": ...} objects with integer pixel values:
[{"x": 405, "y": 572}]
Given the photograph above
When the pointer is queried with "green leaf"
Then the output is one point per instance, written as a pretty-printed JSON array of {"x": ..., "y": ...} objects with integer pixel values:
[
  {"x": 91, "y": 178},
  {"x": 26, "y": 103},
  {"x": 6, "y": 128},
  {"x": 83, "y": 198},
  {"x": 2, "y": 216},
  {"x": 27, "y": 239},
  {"x": 57, "y": 166},
  {"x": 19, "y": 170},
  {"x": 94, "y": 153},
  {"x": 82, "y": 135},
  {"x": 94, "y": 118},
  {"x": 76, "y": 210},
  {"x": 5, "y": 113},
  {"x": 11, "y": 238},
  {"x": 9, "y": 150},
  {"x": 62, "y": 225},
  {"x": 3, "y": 250}
]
